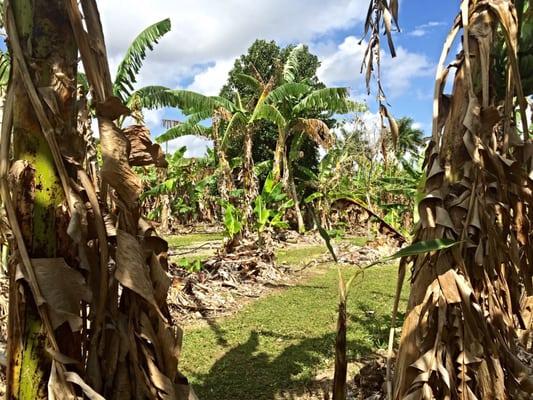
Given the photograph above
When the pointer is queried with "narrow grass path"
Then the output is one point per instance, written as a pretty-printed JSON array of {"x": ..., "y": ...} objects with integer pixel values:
[
  {"x": 189, "y": 247},
  {"x": 281, "y": 341}
]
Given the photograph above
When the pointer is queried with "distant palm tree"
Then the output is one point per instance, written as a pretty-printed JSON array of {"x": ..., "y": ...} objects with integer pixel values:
[{"x": 410, "y": 139}]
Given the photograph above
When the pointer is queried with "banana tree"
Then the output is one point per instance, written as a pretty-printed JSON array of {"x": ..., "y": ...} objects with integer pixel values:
[
  {"x": 88, "y": 314},
  {"x": 188, "y": 185},
  {"x": 468, "y": 306},
  {"x": 235, "y": 118},
  {"x": 336, "y": 173},
  {"x": 288, "y": 106},
  {"x": 123, "y": 87},
  {"x": 200, "y": 108},
  {"x": 147, "y": 97}
]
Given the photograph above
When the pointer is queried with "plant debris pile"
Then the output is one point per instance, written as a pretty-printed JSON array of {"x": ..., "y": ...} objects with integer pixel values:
[{"x": 213, "y": 291}]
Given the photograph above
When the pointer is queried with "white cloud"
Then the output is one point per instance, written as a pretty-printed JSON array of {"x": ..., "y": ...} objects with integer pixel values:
[
  {"x": 207, "y": 36},
  {"x": 210, "y": 81},
  {"x": 424, "y": 29},
  {"x": 196, "y": 146},
  {"x": 418, "y": 33},
  {"x": 206, "y": 31},
  {"x": 417, "y": 125},
  {"x": 398, "y": 73},
  {"x": 342, "y": 66},
  {"x": 153, "y": 117}
]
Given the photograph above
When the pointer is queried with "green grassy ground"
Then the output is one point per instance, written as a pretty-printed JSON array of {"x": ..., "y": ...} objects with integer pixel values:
[
  {"x": 184, "y": 242},
  {"x": 282, "y": 340},
  {"x": 176, "y": 241}
]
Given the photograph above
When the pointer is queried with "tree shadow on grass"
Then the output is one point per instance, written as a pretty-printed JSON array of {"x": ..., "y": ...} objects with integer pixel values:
[
  {"x": 378, "y": 327},
  {"x": 245, "y": 372}
]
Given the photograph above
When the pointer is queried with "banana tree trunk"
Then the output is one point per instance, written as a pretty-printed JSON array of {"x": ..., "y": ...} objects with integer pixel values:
[
  {"x": 165, "y": 203},
  {"x": 467, "y": 303},
  {"x": 279, "y": 155},
  {"x": 291, "y": 189},
  {"x": 225, "y": 183},
  {"x": 48, "y": 46},
  {"x": 249, "y": 183}
]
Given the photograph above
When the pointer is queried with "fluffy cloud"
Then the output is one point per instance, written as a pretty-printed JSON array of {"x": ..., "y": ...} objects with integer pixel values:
[
  {"x": 196, "y": 146},
  {"x": 341, "y": 66},
  {"x": 206, "y": 31},
  {"x": 424, "y": 29},
  {"x": 211, "y": 80},
  {"x": 207, "y": 36}
]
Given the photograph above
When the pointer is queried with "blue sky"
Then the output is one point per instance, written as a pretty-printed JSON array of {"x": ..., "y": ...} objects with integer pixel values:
[{"x": 207, "y": 36}]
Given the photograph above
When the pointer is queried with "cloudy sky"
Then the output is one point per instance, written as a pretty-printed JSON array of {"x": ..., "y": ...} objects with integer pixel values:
[{"x": 207, "y": 36}]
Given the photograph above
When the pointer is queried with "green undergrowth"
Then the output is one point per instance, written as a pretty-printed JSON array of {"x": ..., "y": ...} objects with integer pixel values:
[{"x": 281, "y": 341}]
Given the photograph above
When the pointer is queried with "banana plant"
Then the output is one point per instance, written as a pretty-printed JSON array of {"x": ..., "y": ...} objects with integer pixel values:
[
  {"x": 147, "y": 97},
  {"x": 288, "y": 106},
  {"x": 199, "y": 108},
  {"x": 270, "y": 205},
  {"x": 228, "y": 118},
  {"x": 188, "y": 185}
]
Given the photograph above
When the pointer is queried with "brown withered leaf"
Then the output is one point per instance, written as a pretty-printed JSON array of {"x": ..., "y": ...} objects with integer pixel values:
[
  {"x": 89, "y": 392},
  {"x": 160, "y": 279},
  {"x": 58, "y": 389},
  {"x": 164, "y": 385},
  {"x": 317, "y": 131},
  {"x": 132, "y": 270},
  {"x": 112, "y": 108},
  {"x": 448, "y": 286},
  {"x": 63, "y": 289},
  {"x": 143, "y": 151},
  {"x": 116, "y": 169},
  {"x": 393, "y": 125}
]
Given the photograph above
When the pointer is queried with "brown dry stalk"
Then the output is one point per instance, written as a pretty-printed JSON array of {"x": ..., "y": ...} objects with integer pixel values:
[
  {"x": 131, "y": 348},
  {"x": 467, "y": 304}
]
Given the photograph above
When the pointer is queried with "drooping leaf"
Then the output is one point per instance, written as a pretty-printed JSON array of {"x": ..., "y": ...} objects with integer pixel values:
[
  {"x": 249, "y": 80},
  {"x": 132, "y": 271},
  {"x": 316, "y": 130},
  {"x": 424, "y": 247},
  {"x": 313, "y": 196},
  {"x": 192, "y": 102},
  {"x": 184, "y": 129},
  {"x": 135, "y": 55},
  {"x": 238, "y": 120},
  {"x": 327, "y": 99},
  {"x": 152, "y": 97},
  {"x": 286, "y": 91},
  {"x": 269, "y": 113},
  {"x": 292, "y": 64},
  {"x": 63, "y": 288},
  {"x": 262, "y": 167}
]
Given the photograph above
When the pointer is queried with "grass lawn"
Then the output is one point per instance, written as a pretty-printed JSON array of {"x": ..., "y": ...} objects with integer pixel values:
[
  {"x": 177, "y": 241},
  {"x": 282, "y": 340},
  {"x": 185, "y": 242}
]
